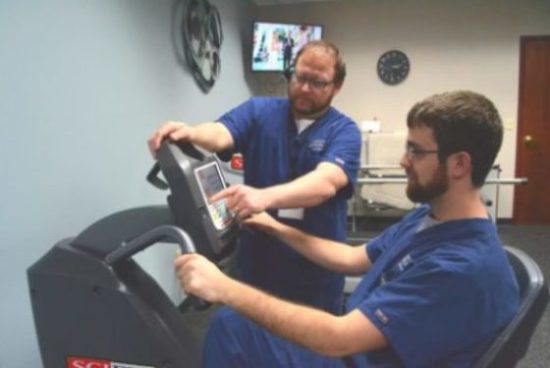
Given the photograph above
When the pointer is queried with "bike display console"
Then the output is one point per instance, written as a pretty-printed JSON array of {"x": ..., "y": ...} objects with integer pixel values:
[{"x": 193, "y": 177}]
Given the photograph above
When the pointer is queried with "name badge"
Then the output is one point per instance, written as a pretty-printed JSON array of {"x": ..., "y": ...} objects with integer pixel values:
[{"x": 292, "y": 213}]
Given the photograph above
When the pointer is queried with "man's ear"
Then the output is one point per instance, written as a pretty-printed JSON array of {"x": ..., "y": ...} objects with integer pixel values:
[
  {"x": 287, "y": 73},
  {"x": 337, "y": 89},
  {"x": 460, "y": 165}
]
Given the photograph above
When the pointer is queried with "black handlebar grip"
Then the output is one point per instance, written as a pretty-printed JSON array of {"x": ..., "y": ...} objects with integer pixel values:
[
  {"x": 153, "y": 178},
  {"x": 167, "y": 233}
]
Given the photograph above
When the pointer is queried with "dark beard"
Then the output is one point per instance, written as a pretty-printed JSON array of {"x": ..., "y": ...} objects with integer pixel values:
[
  {"x": 436, "y": 187},
  {"x": 312, "y": 112}
]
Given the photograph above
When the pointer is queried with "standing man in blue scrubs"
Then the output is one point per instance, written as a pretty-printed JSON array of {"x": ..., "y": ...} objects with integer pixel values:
[
  {"x": 438, "y": 287},
  {"x": 301, "y": 161}
]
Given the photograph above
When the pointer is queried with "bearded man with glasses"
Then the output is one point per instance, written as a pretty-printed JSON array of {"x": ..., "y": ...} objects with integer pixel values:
[{"x": 301, "y": 158}]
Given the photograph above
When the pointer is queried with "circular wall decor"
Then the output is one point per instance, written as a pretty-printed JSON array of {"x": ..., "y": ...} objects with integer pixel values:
[
  {"x": 202, "y": 39},
  {"x": 393, "y": 67}
]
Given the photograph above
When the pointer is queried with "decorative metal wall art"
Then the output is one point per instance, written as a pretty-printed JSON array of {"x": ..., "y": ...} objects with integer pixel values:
[{"x": 201, "y": 31}]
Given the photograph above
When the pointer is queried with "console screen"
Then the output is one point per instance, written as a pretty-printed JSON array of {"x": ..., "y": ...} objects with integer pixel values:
[
  {"x": 211, "y": 182},
  {"x": 209, "y": 179}
]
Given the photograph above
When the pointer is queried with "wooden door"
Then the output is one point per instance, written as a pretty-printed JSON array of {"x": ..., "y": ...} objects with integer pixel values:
[{"x": 532, "y": 201}]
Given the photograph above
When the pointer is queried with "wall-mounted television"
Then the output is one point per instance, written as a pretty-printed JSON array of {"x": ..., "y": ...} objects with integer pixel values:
[{"x": 275, "y": 45}]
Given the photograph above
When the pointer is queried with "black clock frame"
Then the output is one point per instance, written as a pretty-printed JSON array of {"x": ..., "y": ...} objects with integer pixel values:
[{"x": 393, "y": 67}]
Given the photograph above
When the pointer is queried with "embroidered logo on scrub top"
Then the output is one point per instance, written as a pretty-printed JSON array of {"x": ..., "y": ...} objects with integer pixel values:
[
  {"x": 317, "y": 145},
  {"x": 397, "y": 269},
  {"x": 381, "y": 316}
]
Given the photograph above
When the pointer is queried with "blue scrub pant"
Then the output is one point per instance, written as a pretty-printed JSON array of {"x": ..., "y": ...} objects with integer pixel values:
[{"x": 234, "y": 341}]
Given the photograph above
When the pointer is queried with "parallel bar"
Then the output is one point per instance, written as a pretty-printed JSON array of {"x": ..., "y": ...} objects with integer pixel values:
[{"x": 500, "y": 181}]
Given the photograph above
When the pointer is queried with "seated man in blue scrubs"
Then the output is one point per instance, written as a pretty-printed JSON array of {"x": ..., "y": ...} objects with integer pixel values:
[
  {"x": 301, "y": 158},
  {"x": 437, "y": 287}
]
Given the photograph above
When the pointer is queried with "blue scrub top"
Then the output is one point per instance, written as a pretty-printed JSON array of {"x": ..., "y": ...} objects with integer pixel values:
[
  {"x": 439, "y": 296},
  {"x": 264, "y": 131}
]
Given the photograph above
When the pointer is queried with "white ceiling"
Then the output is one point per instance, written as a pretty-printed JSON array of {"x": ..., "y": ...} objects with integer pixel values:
[{"x": 281, "y": 2}]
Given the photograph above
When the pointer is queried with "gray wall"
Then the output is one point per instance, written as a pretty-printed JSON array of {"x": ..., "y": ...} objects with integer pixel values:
[{"x": 82, "y": 85}]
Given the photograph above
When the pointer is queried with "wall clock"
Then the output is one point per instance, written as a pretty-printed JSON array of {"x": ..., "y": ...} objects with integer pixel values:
[{"x": 393, "y": 67}]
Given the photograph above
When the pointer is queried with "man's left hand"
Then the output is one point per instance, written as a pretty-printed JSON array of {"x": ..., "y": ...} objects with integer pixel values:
[{"x": 243, "y": 200}]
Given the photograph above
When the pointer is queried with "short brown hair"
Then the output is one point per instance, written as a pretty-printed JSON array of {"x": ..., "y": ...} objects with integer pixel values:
[
  {"x": 339, "y": 64},
  {"x": 462, "y": 121}
]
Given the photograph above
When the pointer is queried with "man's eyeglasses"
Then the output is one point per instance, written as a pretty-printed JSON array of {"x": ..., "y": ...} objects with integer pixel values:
[
  {"x": 413, "y": 153},
  {"x": 315, "y": 84}
]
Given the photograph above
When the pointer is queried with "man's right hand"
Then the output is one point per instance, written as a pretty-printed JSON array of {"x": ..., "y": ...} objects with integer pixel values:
[{"x": 173, "y": 130}]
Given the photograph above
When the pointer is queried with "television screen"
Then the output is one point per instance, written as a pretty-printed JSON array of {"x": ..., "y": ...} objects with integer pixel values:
[{"x": 275, "y": 45}]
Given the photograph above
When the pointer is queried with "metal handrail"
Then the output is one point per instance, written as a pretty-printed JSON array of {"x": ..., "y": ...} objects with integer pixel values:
[{"x": 403, "y": 180}]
